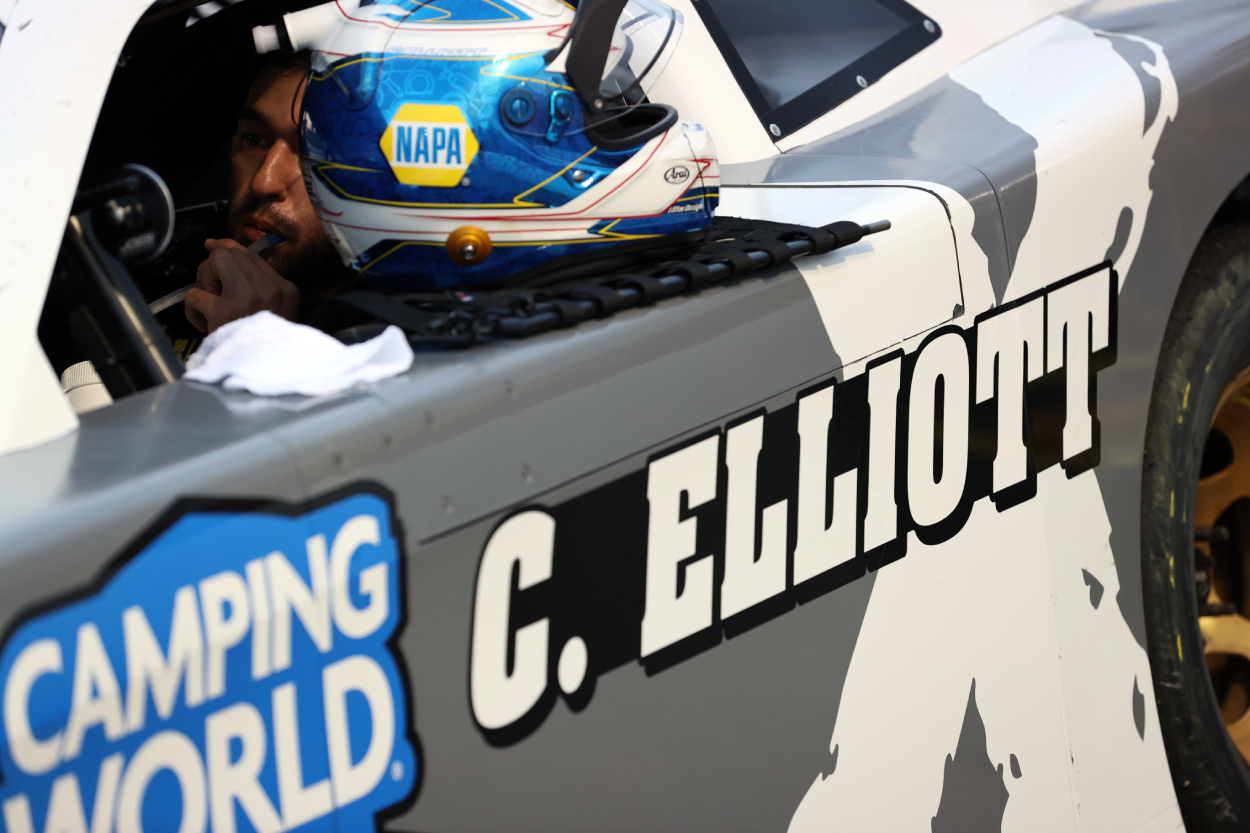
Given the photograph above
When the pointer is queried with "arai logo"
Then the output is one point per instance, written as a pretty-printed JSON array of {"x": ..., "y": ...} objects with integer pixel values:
[
  {"x": 233, "y": 671},
  {"x": 429, "y": 144},
  {"x": 677, "y": 175}
]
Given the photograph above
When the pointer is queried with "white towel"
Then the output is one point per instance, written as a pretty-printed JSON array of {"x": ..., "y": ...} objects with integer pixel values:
[{"x": 268, "y": 355}]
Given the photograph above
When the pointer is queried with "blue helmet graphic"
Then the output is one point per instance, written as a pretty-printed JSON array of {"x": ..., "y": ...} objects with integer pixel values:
[{"x": 458, "y": 142}]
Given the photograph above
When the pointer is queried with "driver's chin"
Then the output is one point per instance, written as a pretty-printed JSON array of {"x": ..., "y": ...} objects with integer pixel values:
[{"x": 282, "y": 256}]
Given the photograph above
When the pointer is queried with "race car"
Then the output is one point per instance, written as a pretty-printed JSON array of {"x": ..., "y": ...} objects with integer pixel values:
[{"x": 943, "y": 527}]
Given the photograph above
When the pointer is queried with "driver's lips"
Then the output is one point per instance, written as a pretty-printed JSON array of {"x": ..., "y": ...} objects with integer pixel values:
[
  {"x": 252, "y": 233},
  {"x": 251, "y": 229},
  {"x": 275, "y": 255}
]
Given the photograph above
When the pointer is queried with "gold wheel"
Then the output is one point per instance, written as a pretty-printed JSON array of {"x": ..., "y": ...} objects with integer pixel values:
[{"x": 1222, "y": 557}]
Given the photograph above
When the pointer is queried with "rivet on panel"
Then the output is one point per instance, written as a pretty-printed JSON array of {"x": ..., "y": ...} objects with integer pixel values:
[{"x": 468, "y": 245}]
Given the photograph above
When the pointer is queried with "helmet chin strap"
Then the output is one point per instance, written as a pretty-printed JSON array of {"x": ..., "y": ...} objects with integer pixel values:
[{"x": 590, "y": 38}]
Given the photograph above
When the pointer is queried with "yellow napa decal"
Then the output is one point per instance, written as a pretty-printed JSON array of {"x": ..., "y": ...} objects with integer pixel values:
[{"x": 429, "y": 144}]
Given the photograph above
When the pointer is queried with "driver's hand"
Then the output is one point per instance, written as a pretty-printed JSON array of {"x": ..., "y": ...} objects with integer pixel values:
[{"x": 234, "y": 283}]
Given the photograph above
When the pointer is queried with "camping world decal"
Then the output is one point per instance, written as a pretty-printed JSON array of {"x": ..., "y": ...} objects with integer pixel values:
[
  {"x": 235, "y": 671},
  {"x": 732, "y": 528}
]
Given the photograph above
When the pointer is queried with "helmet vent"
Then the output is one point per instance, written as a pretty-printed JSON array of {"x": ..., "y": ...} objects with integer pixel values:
[
  {"x": 626, "y": 127},
  {"x": 519, "y": 107}
]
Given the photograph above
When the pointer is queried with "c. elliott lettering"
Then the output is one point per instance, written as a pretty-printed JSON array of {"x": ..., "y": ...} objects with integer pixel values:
[{"x": 773, "y": 508}]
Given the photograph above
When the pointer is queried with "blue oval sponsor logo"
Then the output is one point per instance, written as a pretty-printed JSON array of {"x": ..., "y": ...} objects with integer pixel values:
[{"x": 236, "y": 668}]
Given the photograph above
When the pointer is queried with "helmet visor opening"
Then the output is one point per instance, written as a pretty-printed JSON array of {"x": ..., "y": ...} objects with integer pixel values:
[
  {"x": 642, "y": 43},
  {"x": 615, "y": 52}
]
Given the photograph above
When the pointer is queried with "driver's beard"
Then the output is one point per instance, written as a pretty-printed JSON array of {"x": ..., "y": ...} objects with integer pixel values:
[{"x": 314, "y": 267}]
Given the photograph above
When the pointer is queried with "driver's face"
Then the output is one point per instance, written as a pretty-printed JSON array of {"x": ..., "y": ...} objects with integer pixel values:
[{"x": 266, "y": 187}]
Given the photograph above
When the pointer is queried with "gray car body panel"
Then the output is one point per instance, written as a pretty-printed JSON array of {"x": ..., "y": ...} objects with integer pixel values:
[{"x": 465, "y": 438}]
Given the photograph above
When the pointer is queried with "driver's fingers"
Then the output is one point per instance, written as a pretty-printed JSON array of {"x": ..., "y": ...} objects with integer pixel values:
[
  {"x": 199, "y": 307},
  {"x": 232, "y": 271},
  {"x": 206, "y": 277},
  {"x": 249, "y": 280},
  {"x": 223, "y": 243}
]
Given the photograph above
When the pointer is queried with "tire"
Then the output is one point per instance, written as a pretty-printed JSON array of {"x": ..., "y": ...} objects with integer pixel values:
[{"x": 1206, "y": 344}]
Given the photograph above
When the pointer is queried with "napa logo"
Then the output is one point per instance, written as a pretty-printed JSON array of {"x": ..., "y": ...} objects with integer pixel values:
[
  {"x": 234, "y": 671},
  {"x": 429, "y": 144}
]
